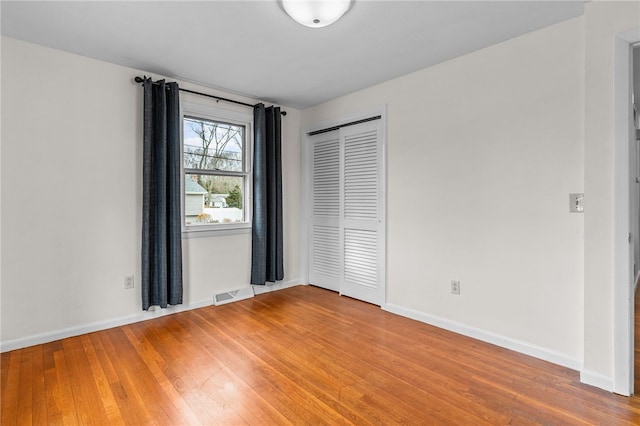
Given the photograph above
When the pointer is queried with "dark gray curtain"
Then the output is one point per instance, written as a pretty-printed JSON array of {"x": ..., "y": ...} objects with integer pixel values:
[
  {"x": 266, "y": 257},
  {"x": 161, "y": 219}
]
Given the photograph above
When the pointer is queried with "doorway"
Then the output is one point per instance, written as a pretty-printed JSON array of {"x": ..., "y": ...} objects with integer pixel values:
[
  {"x": 634, "y": 152},
  {"x": 625, "y": 213}
]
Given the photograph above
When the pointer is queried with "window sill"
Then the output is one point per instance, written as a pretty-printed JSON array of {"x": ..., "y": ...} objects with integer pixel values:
[{"x": 208, "y": 232}]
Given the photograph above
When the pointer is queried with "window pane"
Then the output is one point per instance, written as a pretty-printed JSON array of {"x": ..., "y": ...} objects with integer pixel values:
[
  {"x": 213, "y": 199},
  {"x": 213, "y": 145}
]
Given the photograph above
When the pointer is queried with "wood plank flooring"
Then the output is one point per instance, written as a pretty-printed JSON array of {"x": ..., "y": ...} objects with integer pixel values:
[{"x": 297, "y": 356}]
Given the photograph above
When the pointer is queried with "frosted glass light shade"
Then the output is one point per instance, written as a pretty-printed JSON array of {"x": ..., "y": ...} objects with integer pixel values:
[{"x": 316, "y": 13}]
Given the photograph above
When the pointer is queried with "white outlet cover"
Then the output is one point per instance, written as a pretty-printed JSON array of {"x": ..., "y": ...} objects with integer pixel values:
[
  {"x": 129, "y": 281},
  {"x": 575, "y": 203}
]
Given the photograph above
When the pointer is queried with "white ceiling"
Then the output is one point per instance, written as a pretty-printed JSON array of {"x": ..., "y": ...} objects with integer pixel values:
[{"x": 253, "y": 48}]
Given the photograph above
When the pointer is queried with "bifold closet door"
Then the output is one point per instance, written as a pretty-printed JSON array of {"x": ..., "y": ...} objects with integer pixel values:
[
  {"x": 362, "y": 213},
  {"x": 347, "y": 224},
  {"x": 325, "y": 263}
]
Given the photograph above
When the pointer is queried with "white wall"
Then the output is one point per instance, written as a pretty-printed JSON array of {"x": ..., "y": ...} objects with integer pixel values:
[
  {"x": 71, "y": 199},
  {"x": 482, "y": 154}
]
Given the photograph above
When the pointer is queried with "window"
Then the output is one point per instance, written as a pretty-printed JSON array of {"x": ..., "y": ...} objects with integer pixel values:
[{"x": 216, "y": 170}]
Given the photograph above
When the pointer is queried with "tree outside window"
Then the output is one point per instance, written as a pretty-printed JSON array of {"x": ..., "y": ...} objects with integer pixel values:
[{"x": 216, "y": 172}]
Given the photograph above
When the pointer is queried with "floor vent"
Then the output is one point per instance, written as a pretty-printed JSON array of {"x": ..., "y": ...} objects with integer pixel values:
[{"x": 232, "y": 296}]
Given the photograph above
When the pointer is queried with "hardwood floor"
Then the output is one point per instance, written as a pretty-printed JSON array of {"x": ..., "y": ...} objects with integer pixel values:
[{"x": 297, "y": 356}]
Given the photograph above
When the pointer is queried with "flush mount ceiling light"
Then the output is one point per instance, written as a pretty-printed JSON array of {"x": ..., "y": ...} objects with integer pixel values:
[{"x": 316, "y": 13}]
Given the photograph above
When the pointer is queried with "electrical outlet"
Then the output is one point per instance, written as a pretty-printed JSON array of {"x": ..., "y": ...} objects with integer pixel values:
[
  {"x": 128, "y": 281},
  {"x": 455, "y": 287}
]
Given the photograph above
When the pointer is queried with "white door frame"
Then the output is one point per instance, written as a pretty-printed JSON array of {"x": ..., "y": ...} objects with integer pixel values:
[{"x": 623, "y": 281}]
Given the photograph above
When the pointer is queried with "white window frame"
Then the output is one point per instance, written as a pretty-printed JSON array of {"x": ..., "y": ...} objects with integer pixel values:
[{"x": 215, "y": 113}]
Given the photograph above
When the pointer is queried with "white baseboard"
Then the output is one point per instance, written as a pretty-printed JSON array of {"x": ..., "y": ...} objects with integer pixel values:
[
  {"x": 486, "y": 336},
  {"x": 502, "y": 341},
  {"x": 37, "y": 339},
  {"x": 51, "y": 336},
  {"x": 261, "y": 289},
  {"x": 597, "y": 380}
]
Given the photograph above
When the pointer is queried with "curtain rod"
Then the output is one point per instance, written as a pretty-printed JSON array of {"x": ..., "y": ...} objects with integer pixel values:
[
  {"x": 351, "y": 123},
  {"x": 217, "y": 98}
]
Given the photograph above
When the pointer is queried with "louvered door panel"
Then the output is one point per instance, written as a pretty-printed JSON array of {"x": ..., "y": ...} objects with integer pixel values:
[
  {"x": 326, "y": 250},
  {"x": 361, "y": 257},
  {"x": 325, "y": 262},
  {"x": 326, "y": 178},
  {"x": 361, "y": 176}
]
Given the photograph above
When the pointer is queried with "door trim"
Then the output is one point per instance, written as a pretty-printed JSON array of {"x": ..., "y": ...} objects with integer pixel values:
[{"x": 623, "y": 309}]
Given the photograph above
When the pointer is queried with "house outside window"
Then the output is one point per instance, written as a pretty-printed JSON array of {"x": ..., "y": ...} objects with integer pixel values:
[{"x": 216, "y": 169}]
